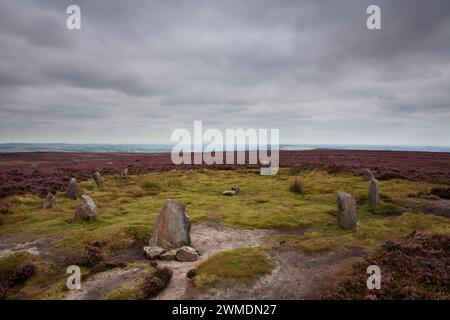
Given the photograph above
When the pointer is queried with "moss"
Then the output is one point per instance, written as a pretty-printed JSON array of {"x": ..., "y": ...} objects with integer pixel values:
[
  {"x": 10, "y": 263},
  {"x": 244, "y": 265}
]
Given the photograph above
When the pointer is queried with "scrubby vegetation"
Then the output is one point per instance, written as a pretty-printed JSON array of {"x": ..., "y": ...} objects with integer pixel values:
[
  {"x": 15, "y": 269},
  {"x": 244, "y": 265},
  {"x": 413, "y": 267},
  {"x": 127, "y": 212}
]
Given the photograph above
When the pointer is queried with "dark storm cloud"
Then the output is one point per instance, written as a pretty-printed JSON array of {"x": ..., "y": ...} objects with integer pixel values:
[{"x": 139, "y": 69}]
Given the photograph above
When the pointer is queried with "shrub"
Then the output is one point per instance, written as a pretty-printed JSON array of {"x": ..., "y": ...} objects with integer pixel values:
[
  {"x": 154, "y": 283},
  {"x": 165, "y": 274},
  {"x": 151, "y": 286},
  {"x": 24, "y": 271},
  {"x": 151, "y": 185},
  {"x": 296, "y": 186},
  {"x": 174, "y": 183},
  {"x": 191, "y": 273},
  {"x": 413, "y": 267},
  {"x": 93, "y": 254}
]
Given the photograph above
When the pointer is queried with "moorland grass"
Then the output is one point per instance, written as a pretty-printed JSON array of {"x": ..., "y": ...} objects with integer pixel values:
[
  {"x": 243, "y": 265},
  {"x": 127, "y": 213}
]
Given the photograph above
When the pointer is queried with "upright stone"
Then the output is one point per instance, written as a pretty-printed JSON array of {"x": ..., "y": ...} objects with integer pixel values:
[
  {"x": 124, "y": 175},
  {"x": 173, "y": 227},
  {"x": 72, "y": 189},
  {"x": 98, "y": 179},
  {"x": 347, "y": 215},
  {"x": 367, "y": 175},
  {"x": 87, "y": 209},
  {"x": 49, "y": 201},
  {"x": 374, "y": 193}
]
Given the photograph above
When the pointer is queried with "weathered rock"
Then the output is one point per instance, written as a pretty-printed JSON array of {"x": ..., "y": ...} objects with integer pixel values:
[
  {"x": 229, "y": 193},
  {"x": 124, "y": 175},
  {"x": 72, "y": 189},
  {"x": 374, "y": 194},
  {"x": 173, "y": 227},
  {"x": 98, "y": 179},
  {"x": 236, "y": 189},
  {"x": 154, "y": 252},
  {"x": 50, "y": 201},
  {"x": 367, "y": 175},
  {"x": 169, "y": 255},
  {"x": 187, "y": 254},
  {"x": 347, "y": 215},
  {"x": 87, "y": 209}
]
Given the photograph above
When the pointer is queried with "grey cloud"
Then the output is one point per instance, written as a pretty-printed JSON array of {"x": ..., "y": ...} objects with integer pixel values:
[{"x": 139, "y": 69}]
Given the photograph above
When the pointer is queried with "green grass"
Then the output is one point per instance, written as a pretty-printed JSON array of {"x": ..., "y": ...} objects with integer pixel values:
[
  {"x": 243, "y": 265},
  {"x": 127, "y": 213}
]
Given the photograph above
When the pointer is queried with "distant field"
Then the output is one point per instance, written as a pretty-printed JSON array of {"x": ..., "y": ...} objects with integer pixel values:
[{"x": 39, "y": 173}]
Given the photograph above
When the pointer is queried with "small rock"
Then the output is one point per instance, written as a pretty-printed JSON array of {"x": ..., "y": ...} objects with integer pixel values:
[
  {"x": 229, "y": 193},
  {"x": 236, "y": 189},
  {"x": 374, "y": 194},
  {"x": 124, "y": 175},
  {"x": 154, "y": 252},
  {"x": 347, "y": 215},
  {"x": 169, "y": 255},
  {"x": 98, "y": 179},
  {"x": 187, "y": 254},
  {"x": 367, "y": 175},
  {"x": 87, "y": 209},
  {"x": 191, "y": 172},
  {"x": 72, "y": 189},
  {"x": 49, "y": 201}
]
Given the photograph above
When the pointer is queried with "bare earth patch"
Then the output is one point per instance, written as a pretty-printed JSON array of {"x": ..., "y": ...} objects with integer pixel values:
[
  {"x": 297, "y": 275},
  {"x": 97, "y": 285}
]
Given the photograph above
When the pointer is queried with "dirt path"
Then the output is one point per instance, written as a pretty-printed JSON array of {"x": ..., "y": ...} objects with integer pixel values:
[
  {"x": 297, "y": 276},
  {"x": 209, "y": 238}
]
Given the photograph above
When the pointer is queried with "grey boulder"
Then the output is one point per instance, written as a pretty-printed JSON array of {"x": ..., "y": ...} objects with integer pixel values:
[{"x": 187, "y": 253}]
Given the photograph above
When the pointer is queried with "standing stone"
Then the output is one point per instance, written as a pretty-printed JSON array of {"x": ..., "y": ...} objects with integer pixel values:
[
  {"x": 49, "y": 201},
  {"x": 124, "y": 175},
  {"x": 173, "y": 227},
  {"x": 347, "y": 215},
  {"x": 98, "y": 179},
  {"x": 374, "y": 193},
  {"x": 87, "y": 209},
  {"x": 367, "y": 175},
  {"x": 72, "y": 189}
]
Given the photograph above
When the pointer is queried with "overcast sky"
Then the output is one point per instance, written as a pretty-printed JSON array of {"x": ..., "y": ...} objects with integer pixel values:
[{"x": 137, "y": 70}]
